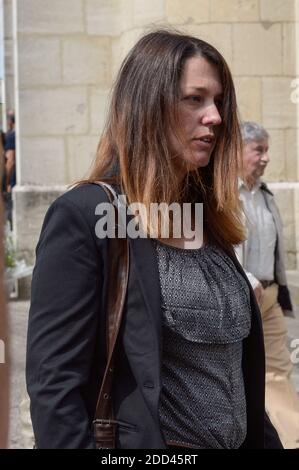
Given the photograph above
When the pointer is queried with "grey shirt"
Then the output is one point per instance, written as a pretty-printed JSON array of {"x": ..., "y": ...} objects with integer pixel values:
[
  {"x": 261, "y": 235},
  {"x": 206, "y": 315}
]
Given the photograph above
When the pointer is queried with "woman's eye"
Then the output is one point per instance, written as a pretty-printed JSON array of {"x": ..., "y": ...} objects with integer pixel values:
[
  {"x": 195, "y": 98},
  {"x": 192, "y": 99}
]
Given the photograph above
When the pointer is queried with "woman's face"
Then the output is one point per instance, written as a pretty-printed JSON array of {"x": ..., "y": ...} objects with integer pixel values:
[{"x": 199, "y": 112}]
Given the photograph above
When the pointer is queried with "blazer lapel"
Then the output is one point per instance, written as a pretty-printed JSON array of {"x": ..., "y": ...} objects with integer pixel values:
[{"x": 144, "y": 259}]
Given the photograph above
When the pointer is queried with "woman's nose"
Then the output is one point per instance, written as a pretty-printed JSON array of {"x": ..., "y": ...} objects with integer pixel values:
[{"x": 211, "y": 116}]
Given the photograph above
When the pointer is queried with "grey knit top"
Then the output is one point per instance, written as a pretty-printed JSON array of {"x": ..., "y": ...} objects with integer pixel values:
[{"x": 206, "y": 315}]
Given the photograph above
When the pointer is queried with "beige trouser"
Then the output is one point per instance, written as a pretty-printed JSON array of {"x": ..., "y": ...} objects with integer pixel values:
[{"x": 282, "y": 402}]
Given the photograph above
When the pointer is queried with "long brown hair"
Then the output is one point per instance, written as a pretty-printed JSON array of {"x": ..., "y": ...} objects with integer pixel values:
[{"x": 134, "y": 150}]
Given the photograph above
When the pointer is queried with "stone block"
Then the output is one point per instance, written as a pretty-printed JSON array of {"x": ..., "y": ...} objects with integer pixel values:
[
  {"x": 257, "y": 49},
  {"x": 122, "y": 45},
  {"x": 30, "y": 206},
  {"x": 290, "y": 261},
  {"x": 278, "y": 110},
  {"x": 39, "y": 61},
  {"x": 234, "y": 10},
  {"x": 81, "y": 152},
  {"x": 10, "y": 93},
  {"x": 297, "y": 224},
  {"x": 278, "y": 10},
  {"x": 249, "y": 98},
  {"x": 41, "y": 161},
  {"x": 54, "y": 17},
  {"x": 293, "y": 285},
  {"x": 292, "y": 157},
  {"x": 9, "y": 57},
  {"x": 192, "y": 11},
  {"x": 290, "y": 49},
  {"x": 219, "y": 35},
  {"x": 276, "y": 168},
  {"x": 148, "y": 13},
  {"x": 108, "y": 17},
  {"x": 99, "y": 99},
  {"x": 87, "y": 61},
  {"x": 117, "y": 55},
  {"x": 56, "y": 111},
  {"x": 7, "y": 19},
  {"x": 284, "y": 198}
]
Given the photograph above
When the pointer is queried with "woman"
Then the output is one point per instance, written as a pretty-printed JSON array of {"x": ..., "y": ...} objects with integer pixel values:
[{"x": 189, "y": 370}]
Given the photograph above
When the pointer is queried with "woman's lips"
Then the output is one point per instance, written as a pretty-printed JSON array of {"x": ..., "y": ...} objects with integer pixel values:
[{"x": 202, "y": 144}]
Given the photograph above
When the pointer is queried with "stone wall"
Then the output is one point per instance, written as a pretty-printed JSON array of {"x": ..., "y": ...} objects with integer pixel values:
[
  {"x": 68, "y": 52},
  {"x": 8, "y": 54}
]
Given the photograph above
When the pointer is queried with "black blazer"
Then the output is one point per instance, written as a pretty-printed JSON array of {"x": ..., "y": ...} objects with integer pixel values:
[{"x": 66, "y": 348}]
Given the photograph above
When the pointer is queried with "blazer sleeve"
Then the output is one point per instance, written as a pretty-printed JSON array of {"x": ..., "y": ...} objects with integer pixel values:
[{"x": 63, "y": 319}]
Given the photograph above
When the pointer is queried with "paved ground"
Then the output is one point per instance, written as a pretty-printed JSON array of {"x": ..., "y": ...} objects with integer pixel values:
[{"x": 18, "y": 314}]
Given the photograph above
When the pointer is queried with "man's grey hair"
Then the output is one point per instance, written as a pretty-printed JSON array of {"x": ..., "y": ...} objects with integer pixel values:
[{"x": 253, "y": 131}]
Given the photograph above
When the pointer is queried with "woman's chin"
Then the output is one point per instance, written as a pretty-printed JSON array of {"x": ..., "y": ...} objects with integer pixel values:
[
  {"x": 193, "y": 162},
  {"x": 200, "y": 159}
]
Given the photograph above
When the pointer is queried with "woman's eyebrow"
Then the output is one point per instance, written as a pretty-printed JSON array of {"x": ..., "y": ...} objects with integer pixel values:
[{"x": 203, "y": 89}]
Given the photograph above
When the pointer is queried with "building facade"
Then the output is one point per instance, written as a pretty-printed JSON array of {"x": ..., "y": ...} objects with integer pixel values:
[{"x": 62, "y": 56}]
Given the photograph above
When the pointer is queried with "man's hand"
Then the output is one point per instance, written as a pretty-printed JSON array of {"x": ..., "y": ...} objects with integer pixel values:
[
  {"x": 10, "y": 156},
  {"x": 259, "y": 293}
]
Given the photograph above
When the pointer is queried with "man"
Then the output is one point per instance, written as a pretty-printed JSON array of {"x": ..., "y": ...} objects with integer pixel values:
[
  {"x": 10, "y": 154},
  {"x": 10, "y": 164},
  {"x": 262, "y": 258}
]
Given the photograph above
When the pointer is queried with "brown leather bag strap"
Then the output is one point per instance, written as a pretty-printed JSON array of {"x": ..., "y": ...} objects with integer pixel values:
[{"x": 117, "y": 288}]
